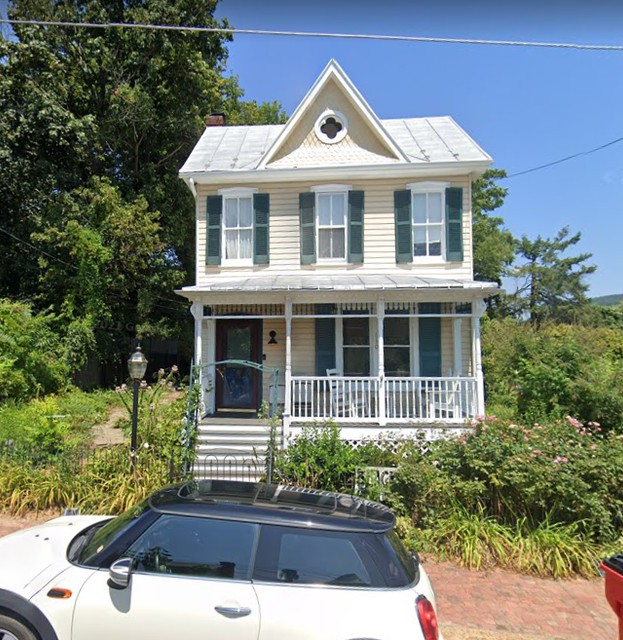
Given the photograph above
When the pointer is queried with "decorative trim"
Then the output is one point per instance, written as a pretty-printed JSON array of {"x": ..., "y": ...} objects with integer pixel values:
[
  {"x": 339, "y": 118},
  {"x": 331, "y": 188},
  {"x": 428, "y": 186},
  {"x": 237, "y": 192}
]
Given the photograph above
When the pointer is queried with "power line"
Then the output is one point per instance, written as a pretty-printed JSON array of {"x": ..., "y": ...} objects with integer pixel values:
[
  {"x": 565, "y": 159},
  {"x": 314, "y": 34}
]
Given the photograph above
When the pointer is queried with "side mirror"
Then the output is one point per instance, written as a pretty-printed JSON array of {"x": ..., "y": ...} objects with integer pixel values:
[{"x": 120, "y": 573}]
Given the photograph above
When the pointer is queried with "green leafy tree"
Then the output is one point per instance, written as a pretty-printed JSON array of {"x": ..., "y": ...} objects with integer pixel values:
[
  {"x": 94, "y": 126},
  {"x": 494, "y": 245},
  {"x": 551, "y": 285}
]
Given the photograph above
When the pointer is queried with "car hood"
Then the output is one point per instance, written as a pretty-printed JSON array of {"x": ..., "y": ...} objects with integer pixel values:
[{"x": 34, "y": 556}]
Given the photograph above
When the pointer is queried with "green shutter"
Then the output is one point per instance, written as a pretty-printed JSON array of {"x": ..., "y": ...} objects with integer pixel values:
[
  {"x": 402, "y": 213},
  {"x": 454, "y": 224},
  {"x": 325, "y": 345},
  {"x": 261, "y": 214},
  {"x": 213, "y": 229},
  {"x": 430, "y": 347},
  {"x": 355, "y": 226},
  {"x": 307, "y": 202}
]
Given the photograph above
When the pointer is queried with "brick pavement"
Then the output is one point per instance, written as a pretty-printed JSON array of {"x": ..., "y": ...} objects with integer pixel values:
[
  {"x": 506, "y": 602},
  {"x": 499, "y": 601}
]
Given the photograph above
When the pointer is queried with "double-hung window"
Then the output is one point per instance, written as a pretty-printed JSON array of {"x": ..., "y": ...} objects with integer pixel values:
[
  {"x": 397, "y": 346},
  {"x": 331, "y": 221},
  {"x": 428, "y": 219},
  {"x": 331, "y": 224},
  {"x": 429, "y": 222},
  {"x": 238, "y": 229},
  {"x": 356, "y": 346}
]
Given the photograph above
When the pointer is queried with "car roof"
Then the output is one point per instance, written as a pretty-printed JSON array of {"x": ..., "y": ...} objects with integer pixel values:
[{"x": 274, "y": 504}]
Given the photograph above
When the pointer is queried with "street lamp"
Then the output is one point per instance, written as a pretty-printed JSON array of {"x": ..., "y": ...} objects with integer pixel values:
[{"x": 137, "y": 364}]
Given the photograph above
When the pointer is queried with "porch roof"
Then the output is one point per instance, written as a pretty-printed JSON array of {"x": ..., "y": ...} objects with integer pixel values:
[{"x": 342, "y": 282}]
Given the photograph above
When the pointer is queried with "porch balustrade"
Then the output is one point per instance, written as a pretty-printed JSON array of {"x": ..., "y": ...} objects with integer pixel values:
[{"x": 392, "y": 400}]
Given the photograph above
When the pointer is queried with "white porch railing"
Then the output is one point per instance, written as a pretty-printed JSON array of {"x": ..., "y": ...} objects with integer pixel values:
[{"x": 395, "y": 400}]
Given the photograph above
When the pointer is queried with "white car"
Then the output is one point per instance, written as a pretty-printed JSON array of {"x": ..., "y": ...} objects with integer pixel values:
[{"x": 218, "y": 559}]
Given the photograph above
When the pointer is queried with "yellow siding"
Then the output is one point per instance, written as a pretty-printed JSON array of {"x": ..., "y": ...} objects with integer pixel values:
[
  {"x": 303, "y": 347},
  {"x": 379, "y": 236},
  {"x": 275, "y": 354}
]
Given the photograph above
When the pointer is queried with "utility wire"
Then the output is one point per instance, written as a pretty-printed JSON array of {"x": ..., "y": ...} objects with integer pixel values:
[
  {"x": 566, "y": 159},
  {"x": 314, "y": 34}
]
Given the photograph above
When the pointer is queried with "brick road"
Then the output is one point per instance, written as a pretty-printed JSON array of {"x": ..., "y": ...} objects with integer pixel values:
[
  {"x": 503, "y": 601},
  {"x": 498, "y": 601}
]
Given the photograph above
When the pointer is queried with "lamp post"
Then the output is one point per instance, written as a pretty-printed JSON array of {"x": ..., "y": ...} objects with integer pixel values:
[{"x": 137, "y": 364}]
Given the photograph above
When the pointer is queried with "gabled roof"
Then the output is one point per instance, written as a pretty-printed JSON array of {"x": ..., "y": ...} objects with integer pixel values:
[
  {"x": 333, "y": 72},
  {"x": 275, "y": 149}
]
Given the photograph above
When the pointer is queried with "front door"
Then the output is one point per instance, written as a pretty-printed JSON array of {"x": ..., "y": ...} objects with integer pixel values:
[{"x": 237, "y": 385}]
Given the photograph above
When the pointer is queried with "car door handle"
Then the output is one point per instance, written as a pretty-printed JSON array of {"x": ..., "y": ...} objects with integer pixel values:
[{"x": 233, "y": 612}]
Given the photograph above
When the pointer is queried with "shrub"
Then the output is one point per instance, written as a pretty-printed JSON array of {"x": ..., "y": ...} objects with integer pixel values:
[
  {"x": 318, "y": 458},
  {"x": 32, "y": 361},
  {"x": 545, "y": 374}
]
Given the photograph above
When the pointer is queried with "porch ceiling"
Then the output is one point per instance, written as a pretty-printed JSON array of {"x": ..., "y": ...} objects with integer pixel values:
[{"x": 344, "y": 282}]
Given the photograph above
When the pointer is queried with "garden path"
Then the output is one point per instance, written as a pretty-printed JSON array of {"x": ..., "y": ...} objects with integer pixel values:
[{"x": 496, "y": 605}]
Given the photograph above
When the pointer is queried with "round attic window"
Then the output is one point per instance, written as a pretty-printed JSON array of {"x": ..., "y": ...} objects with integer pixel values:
[{"x": 331, "y": 127}]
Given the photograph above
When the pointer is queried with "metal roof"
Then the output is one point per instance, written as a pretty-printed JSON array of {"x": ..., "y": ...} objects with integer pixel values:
[
  {"x": 422, "y": 140},
  {"x": 337, "y": 282}
]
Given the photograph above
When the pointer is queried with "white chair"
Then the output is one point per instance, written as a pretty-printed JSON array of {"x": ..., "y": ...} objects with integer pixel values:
[{"x": 345, "y": 400}]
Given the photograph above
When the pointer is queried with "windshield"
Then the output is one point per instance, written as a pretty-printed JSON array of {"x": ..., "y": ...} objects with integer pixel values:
[{"x": 101, "y": 538}]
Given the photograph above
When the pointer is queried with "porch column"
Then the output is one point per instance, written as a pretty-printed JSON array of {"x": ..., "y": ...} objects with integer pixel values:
[
  {"x": 380, "y": 317},
  {"x": 287, "y": 410},
  {"x": 197, "y": 310},
  {"x": 478, "y": 309}
]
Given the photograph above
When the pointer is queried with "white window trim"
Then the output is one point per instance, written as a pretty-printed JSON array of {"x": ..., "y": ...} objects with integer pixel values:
[
  {"x": 237, "y": 193},
  {"x": 331, "y": 189},
  {"x": 340, "y": 117},
  {"x": 431, "y": 187}
]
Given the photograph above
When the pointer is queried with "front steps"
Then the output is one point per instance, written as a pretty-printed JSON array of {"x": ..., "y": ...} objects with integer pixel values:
[{"x": 231, "y": 448}]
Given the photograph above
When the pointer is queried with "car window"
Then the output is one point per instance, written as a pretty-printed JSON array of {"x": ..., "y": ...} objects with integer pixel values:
[
  {"x": 199, "y": 547},
  {"x": 339, "y": 558},
  {"x": 311, "y": 557},
  {"x": 102, "y": 536}
]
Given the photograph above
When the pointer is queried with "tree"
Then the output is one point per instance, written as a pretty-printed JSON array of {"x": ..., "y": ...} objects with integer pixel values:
[
  {"x": 94, "y": 126},
  {"x": 494, "y": 246},
  {"x": 551, "y": 286}
]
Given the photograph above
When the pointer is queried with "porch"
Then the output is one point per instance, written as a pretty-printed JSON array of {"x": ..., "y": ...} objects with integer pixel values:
[{"x": 405, "y": 359}]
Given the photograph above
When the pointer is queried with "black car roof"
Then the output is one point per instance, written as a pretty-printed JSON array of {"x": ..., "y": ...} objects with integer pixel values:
[{"x": 273, "y": 504}]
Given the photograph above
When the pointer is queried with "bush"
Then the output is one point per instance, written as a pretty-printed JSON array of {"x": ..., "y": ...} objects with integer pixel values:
[
  {"x": 32, "y": 355},
  {"x": 564, "y": 472},
  {"x": 54, "y": 423},
  {"x": 545, "y": 374},
  {"x": 319, "y": 459}
]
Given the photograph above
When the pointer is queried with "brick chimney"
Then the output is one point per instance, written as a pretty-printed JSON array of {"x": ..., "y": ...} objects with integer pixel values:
[{"x": 215, "y": 120}]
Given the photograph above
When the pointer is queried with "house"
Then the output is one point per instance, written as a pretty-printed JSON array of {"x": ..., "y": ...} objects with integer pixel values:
[{"x": 334, "y": 270}]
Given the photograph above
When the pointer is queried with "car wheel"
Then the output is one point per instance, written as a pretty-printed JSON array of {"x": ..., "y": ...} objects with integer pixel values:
[{"x": 11, "y": 629}]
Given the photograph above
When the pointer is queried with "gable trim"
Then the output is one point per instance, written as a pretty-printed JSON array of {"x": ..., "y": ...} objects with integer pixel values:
[{"x": 333, "y": 70}]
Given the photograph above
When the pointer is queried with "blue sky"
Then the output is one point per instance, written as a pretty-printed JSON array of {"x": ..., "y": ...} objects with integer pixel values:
[{"x": 524, "y": 106}]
